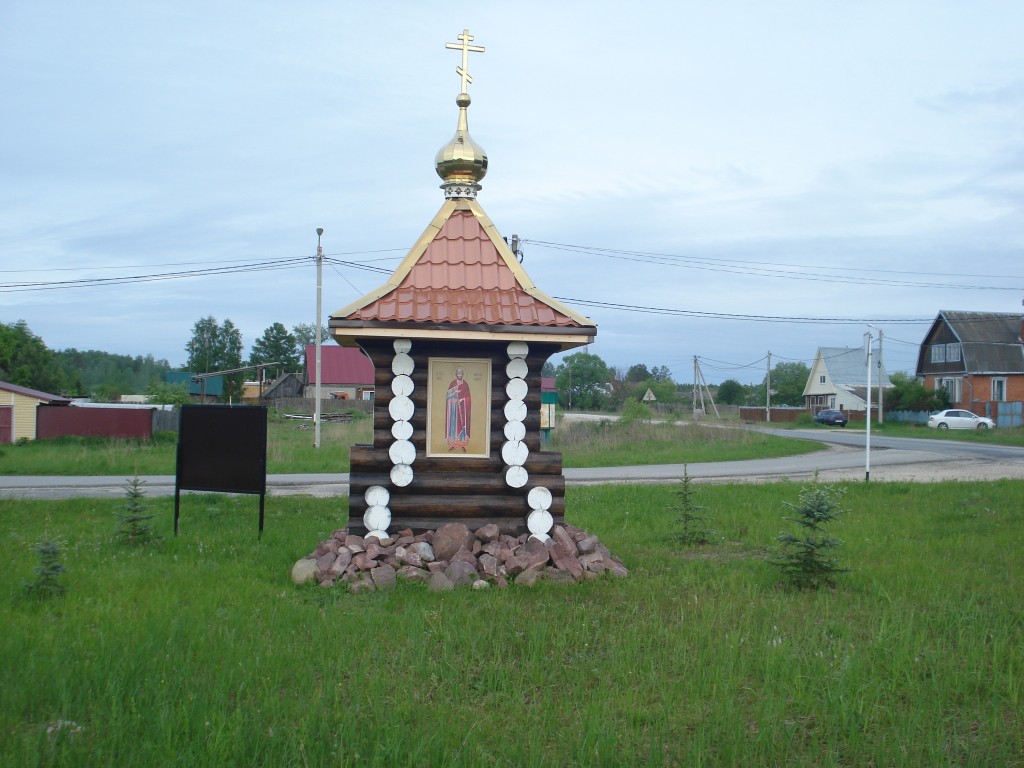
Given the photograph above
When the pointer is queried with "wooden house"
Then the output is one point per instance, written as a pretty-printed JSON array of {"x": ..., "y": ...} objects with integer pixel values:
[
  {"x": 18, "y": 408},
  {"x": 978, "y": 359},
  {"x": 458, "y": 336},
  {"x": 838, "y": 380}
]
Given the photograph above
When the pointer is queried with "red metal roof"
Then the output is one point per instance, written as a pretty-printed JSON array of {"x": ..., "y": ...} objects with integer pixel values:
[
  {"x": 339, "y": 365},
  {"x": 461, "y": 278}
]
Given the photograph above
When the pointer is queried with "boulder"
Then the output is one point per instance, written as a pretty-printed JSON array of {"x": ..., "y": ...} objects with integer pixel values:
[
  {"x": 449, "y": 539},
  {"x": 438, "y": 583},
  {"x": 304, "y": 570}
]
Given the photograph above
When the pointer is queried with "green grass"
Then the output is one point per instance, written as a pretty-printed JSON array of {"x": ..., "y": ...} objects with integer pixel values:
[
  {"x": 201, "y": 651},
  {"x": 289, "y": 450},
  {"x": 615, "y": 444}
]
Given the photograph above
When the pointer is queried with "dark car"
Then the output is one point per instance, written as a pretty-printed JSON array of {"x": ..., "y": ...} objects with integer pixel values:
[{"x": 831, "y": 416}]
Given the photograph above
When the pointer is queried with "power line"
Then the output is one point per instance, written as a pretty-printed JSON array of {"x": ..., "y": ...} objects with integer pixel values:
[{"x": 748, "y": 268}]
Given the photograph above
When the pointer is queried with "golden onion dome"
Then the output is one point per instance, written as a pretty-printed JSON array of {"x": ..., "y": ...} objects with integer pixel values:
[{"x": 461, "y": 163}]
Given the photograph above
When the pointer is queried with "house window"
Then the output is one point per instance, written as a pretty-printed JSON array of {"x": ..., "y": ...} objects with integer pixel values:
[
  {"x": 821, "y": 379},
  {"x": 952, "y": 387},
  {"x": 938, "y": 353},
  {"x": 999, "y": 389},
  {"x": 952, "y": 353}
]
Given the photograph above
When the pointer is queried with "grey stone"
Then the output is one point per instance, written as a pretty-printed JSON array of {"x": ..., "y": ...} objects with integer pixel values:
[
  {"x": 423, "y": 549},
  {"x": 480, "y": 584},
  {"x": 324, "y": 562},
  {"x": 461, "y": 572},
  {"x": 383, "y": 577},
  {"x": 561, "y": 536},
  {"x": 304, "y": 570},
  {"x": 528, "y": 578},
  {"x": 566, "y": 561},
  {"x": 487, "y": 533},
  {"x": 361, "y": 585},
  {"x": 557, "y": 576},
  {"x": 355, "y": 544},
  {"x": 488, "y": 565},
  {"x": 408, "y": 557},
  {"x": 438, "y": 583},
  {"x": 413, "y": 574},
  {"x": 587, "y": 545},
  {"x": 449, "y": 539}
]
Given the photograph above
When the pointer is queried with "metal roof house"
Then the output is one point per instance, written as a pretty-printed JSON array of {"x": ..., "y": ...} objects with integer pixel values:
[
  {"x": 345, "y": 373},
  {"x": 839, "y": 378},
  {"x": 978, "y": 358}
]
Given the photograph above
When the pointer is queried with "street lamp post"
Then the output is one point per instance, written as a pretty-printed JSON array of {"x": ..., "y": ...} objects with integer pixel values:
[{"x": 319, "y": 332}]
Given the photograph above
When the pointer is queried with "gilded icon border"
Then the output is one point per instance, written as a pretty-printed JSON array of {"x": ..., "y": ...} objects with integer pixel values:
[{"x": 457, "y": 425}]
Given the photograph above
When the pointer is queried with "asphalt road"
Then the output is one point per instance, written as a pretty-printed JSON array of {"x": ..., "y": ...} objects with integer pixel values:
[{"x": 891, "y": 459}]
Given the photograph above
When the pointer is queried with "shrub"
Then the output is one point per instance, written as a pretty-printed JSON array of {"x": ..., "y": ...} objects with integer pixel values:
[
  {"x": 48, "y": 571},
  {"x": 689, "y": 522},
  {"x": 806, "y": 558},
  {"x": 133, "y": 523}
]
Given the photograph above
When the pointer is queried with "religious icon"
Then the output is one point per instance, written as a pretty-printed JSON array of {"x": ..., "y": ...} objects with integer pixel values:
[
  {"x": 458, "y": 416},
  {"x": 458, "y": 404}
]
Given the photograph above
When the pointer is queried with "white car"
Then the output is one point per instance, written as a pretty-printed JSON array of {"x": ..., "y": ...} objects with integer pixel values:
[{"x": 953, "y": 418}]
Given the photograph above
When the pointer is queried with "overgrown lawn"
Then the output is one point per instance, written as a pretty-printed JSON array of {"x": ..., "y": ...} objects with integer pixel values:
[{"x": 200, "y": 651}]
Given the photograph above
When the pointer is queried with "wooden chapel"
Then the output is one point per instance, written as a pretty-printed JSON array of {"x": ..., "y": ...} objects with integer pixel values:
[{"x": 458, "y": 336}]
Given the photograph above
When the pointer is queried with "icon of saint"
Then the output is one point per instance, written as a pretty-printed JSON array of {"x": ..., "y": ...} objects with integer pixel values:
[{"x": 458, "y": 404}]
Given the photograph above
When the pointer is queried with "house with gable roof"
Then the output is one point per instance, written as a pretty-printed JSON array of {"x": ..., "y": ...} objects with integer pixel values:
[
  {"x": 345, "y": 373},
  {"x": 838, "y": 380},
  {"x": 18, "y": 411},
  {"x": 978, "y": 359}
]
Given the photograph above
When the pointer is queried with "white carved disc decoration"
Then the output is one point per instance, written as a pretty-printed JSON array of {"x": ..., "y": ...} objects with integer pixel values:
[
  {"x": 402, "y": 345},
  {"x": 539, "y": 498},
  {"x": 401, "y": 475},
  {"x": 517, "y": 368},
  {"x": 541, "y": 537},
  {"x": 402, "y": 365},
  {"x": 518, "y": 349},
  {"x": 516, "y": 389},
  {"x": 401, "y": 430},
  {"x": 401, "y": 386},
  {"x": 378, "y": 496},
  {"x": 377, "y": 518},
  {"x": 401, "y": 408},
  {"x": 402, "y": 452},
  {"x": 515, "y": 454},
  {"x": 515, "y": 430},
  {"x": 515, "y": 410},
  {"x": 516, "y": 477},
  {"x": 539, "y": 521},
  {"x": 378, "y": 535}
]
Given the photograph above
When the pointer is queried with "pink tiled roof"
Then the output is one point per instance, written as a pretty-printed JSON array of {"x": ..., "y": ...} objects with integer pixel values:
[
  {"x": 461, "y": 278},
  {"x": 339, "y": 365}
]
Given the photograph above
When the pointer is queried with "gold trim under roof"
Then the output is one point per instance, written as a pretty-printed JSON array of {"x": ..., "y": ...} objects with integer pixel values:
[{"x": 447, "y": 209}]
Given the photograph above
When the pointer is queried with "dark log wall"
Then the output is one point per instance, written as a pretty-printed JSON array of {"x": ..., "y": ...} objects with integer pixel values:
[{"x": 443, "y": 489}]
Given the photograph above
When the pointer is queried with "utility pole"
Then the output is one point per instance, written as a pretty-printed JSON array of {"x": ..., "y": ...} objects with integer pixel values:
[
  {"x": 768, "y": 391},
  {"x": 867, "y": 421},
  {"x": 319, "y": 331},
  {"x": 695, "y": 382},
  {"x": 881, "y": 414}
]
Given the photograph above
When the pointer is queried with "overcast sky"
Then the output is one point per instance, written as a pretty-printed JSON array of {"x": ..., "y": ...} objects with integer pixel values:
[{"x": 731, "y": 163}]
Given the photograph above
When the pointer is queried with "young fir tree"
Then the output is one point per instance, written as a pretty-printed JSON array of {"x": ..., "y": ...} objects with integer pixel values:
[
  {"x": 133, "y": 525},
  {"x": 48, "y": 571},
  {"x": 690, "y": 522},
  {"x": 806, "y": 558}
]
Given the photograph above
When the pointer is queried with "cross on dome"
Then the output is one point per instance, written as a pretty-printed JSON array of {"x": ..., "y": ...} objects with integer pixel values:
[{"x": 466, "y": 48}]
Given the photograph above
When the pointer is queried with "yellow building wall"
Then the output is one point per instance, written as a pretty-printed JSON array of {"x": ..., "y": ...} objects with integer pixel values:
[{"x": 24, "y": 414}]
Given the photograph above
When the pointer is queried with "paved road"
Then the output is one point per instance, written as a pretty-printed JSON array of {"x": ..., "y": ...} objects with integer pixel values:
[{"x": 892, "y": 458}]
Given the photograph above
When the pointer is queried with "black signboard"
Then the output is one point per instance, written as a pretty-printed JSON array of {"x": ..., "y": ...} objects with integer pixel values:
[{"x": 222, "y": 448}]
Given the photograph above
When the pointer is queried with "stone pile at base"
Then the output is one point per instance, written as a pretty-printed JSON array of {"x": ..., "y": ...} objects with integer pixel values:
[{"x": 454, "y": 555}]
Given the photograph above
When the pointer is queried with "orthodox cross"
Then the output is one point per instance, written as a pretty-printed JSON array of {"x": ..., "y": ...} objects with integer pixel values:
[{"x": 465, "y": 47}]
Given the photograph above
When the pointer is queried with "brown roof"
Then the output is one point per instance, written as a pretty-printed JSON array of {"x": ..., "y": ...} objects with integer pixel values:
[
  {"x": 461, "y": 272},
  {"x": 34, "y": 393}
]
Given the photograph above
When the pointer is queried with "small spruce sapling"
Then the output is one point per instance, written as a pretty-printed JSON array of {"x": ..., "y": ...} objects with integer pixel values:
[
  {"x": 48, "y": 571},
  {"x": 806, "y": 558},
  {"x": 690, "y": 521},
  {"x": 133, "y": 526}
]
